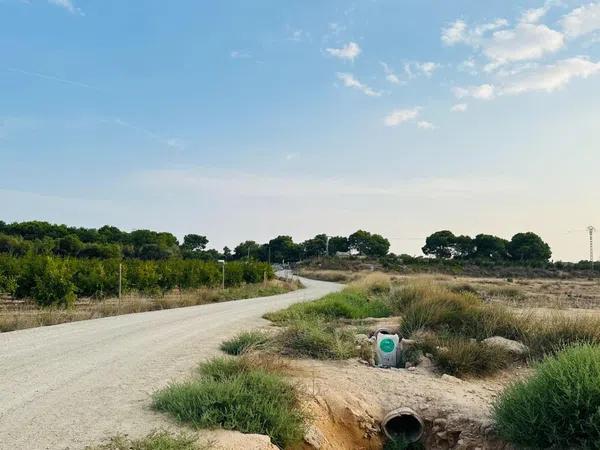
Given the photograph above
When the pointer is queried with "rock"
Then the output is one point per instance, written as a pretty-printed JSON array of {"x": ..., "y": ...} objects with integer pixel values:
[
  {"x": 408, "y": 364},
  {"x": 425, "y": 363},
  {"x": 514, "y": 347},
  {"x": 412, "y": 368},
  {"x": 406, "y": 344},
  {"x": 314, "y": 437},
  {"x": 234, "y": 440},
  {"x": 450, "y": 378},
  {"x": 360, "y": 338},
  {"x": 440, "y": 422}
]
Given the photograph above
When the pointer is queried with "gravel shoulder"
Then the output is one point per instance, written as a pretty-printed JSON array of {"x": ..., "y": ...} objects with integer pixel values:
[{"x": 71, "y": 385}]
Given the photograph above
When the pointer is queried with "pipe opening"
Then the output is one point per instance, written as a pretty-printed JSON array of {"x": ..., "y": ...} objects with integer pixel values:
[{"x": 403, "y": 424}]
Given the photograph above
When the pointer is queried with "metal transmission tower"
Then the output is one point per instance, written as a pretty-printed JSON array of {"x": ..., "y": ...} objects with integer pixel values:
[{"x": 591, "y": 230}]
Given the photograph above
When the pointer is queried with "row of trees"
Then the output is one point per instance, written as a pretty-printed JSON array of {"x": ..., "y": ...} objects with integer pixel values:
[
  {"x": 42, "y": 238},
  {"x": 51, "y": 280},
  {"x": 523, "y": 247},
  {"x": 283, "y": 248}
]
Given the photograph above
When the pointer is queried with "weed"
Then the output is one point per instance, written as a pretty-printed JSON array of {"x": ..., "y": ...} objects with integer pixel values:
[
  {"x": 457, "y": 356},
  {"x": 557, "y": 407},
  {"x": 158, "y": 440},
  {"x": 244, "y": 341},
  {"x": 233, "y": 395},
  {"x": 309, "y": 338},
  {"x": 348, "y": 304}
]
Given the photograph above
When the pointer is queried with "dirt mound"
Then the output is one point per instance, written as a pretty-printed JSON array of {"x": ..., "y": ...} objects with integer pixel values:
[{"x": 348, "y": 401}]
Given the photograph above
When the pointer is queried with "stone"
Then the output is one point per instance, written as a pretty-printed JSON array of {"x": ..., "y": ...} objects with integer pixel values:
[
  {"x": 360, "y": 338},
  {"x": 412, "y": 369},
  {"x": 314, "y": 437},
  {"x": 514, "y": 347},
  {"x": 450, "y": 378}
]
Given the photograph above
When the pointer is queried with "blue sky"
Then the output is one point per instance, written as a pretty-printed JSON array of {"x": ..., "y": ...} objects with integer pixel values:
[{"x": 244, "y": 120}]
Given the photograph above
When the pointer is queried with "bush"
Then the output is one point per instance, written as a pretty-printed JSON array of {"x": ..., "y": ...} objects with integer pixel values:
[
  {"x": 558, "y": 407},
  {"x": 235, "y": 396},
  {"x": 244, "y": 342},
  {"x": 551, "y": 334},
  {"x": 309, "y": 338},
  {"x": 54, "y": 281},
  {"x": 158, "y": 440},
  {"x": 457, "y": 356},
  {"x": 347, "y": 304}
]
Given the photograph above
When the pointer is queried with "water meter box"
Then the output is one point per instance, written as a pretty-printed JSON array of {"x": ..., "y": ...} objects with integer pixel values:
[{"x": 387, "y": 349}]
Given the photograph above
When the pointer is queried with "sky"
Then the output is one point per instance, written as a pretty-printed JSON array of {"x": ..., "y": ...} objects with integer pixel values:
[{"x": 245, "y": 120}]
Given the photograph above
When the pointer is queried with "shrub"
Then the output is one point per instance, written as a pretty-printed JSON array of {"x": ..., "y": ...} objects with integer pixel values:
[
  {"x": 347, "y": 304},
  {"x": 558, "y": 407},
  {"x": 234, "y": 396},
  {"x": 158, "y": 440},
  {"x": 244, "y": 342},
  {"x": 458, "y": 356},
  {"x": 315, "y": 339},
  {"x": 549, "y": 334}
]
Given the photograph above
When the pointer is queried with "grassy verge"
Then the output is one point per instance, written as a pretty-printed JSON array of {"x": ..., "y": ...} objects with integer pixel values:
[
  {"x": 558, "y": 407},
  {"x": 160, "y": 440},
  {"x": 237, "y": 394},
  {"x": 20, "y": 316}
]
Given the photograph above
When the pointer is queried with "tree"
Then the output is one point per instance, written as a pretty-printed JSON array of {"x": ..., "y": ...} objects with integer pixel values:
[
  {"x": 338, "y": 244},
  {"x": 283, "y": 248},
  {"x": 226, "y": 253},
  {"x": 194, "y": 243},
  {"x": 491, "y": 247},
  {"x": 247, "y": 249},
  {"x": 368, "y": 244},
  {"x": 464, "y": 247},
  {"x": 69, "y": 245},
  {"x": 441, "y": 244},
  {"x": 528, "y": 247},
  {"x": 316, "y": 246}
]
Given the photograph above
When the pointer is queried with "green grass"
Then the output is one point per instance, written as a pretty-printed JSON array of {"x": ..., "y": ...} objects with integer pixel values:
[
  {"x": 558, "y": 407},
  {"x": 244, "y": 342},
  {"x": 310, "y": 338},
  {"x": 158, "y": 440},
  {"x": 459, "y": 356},
  {"x": 348, "y": 304},
  {"x": 234, "y": 395}
]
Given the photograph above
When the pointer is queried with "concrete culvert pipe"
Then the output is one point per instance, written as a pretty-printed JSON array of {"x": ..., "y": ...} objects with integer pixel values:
[{"x": 403, "y": 423}]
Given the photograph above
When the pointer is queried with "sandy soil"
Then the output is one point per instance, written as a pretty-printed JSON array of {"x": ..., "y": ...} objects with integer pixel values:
[
  {"x": 348, "y": 400},
  {"x": 72, "y": 385}
]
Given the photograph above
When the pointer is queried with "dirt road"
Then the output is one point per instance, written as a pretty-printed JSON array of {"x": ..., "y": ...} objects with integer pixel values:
[{"x": 71, "y": 385}]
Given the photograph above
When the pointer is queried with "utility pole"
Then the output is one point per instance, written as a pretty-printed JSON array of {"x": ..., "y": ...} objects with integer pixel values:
[
  {"x": 120, "y": 283},
  {"x": 591, "y": 231},
  {"x": 327, "y": 246},
  {"x": 222, "y": 261}
]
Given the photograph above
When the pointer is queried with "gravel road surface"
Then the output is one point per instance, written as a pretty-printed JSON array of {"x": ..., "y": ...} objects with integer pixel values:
[{"x": 72, "y": 385}]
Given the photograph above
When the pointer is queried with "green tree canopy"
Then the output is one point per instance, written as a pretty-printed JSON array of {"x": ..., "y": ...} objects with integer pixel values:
[
  {"x": 194, "y": 243},
  {"x": 247, "y": 249},
  {"x": 441, "y": 244},
  {"x": 368, "y": 244},
  {"x": 528, "y": 247}
]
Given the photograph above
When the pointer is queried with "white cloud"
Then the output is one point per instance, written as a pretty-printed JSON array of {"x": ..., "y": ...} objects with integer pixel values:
[
  {"x": 481, "y": 92},
  {"x": 389, "y": 74},
  {"x": 239, "y": 54},
  {"x": 348, "y": 52},
  {"x": 552, "y": 77},
  {"x": 350, "y": 81},
  {"x": 533, "y": 15},
  {"x": 531, "y": 78},
  {"x": 424, "y": 125},
  {"x": 399, "y": 116},
  {"x": 427, "y": 68},
  {"x": 455, "y": 33},
  {"x": 459, "y": 33},
  {"x": 525, "y": 41},
  {"x": 459, "y": 107},
  {"x": 582, "y": 20},
  {"x": 66, "y": 4}
]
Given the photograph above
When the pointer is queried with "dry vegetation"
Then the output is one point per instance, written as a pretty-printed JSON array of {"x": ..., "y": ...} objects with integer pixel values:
[{"x": 17, "y": 315}]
